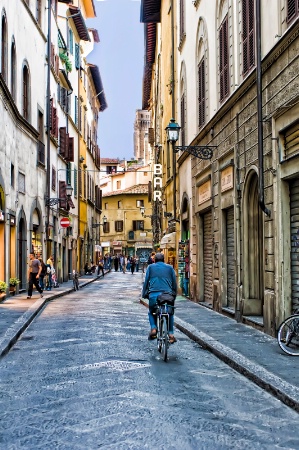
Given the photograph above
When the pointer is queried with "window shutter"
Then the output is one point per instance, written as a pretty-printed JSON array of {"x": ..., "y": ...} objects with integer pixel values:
[
  {"x": 75, "y": 181},
  {"x": 224, "y": 73},
  {"x": 149, "y": 193},
  {"x": 54, "y": 123},
  {"x": 77, "y": 56},
  {"x": 134, "y": 225},
  {"x": 292, "y": 9},
  {"x": 248, "y": 35},
  {"x": 106, "y": 227},
  {"x": 80, "y": 182},
  {"x": 182, "y": 18},
  {"x": 62, "y": 194},
  {"x": 71, "y": 38},
  {"x": 201, "y": 93},
  {"x": 70, "y": 153},
  {"x": 51, "y": 115},
  {"x": 58, "y": 93},
  {"x": 76, "y": 110},
  {"x": 62, "y": 140},
  {"x": 68, "y": 174}
]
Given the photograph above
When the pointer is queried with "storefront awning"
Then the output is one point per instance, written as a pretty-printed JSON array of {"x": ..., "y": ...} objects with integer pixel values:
[
  {"x": 143, "y": 245},
  {"x": 168, "y": 241}
]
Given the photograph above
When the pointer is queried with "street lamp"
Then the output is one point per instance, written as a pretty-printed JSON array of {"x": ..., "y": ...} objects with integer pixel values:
[
  {"x": 54, "y": 201},
  {"x": 96, "y": 225},
  {"x": 199, "y": 151}
]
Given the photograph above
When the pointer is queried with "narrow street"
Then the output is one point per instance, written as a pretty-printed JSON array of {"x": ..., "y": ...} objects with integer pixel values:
[{"x": 84, "y": 376}]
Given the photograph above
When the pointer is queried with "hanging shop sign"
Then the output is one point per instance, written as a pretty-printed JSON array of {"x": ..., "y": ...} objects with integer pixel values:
[{"x": 157, "y": 182}]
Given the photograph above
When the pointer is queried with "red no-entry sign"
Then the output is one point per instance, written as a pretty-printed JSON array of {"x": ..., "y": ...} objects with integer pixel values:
[{"x": 65, "y": 222}]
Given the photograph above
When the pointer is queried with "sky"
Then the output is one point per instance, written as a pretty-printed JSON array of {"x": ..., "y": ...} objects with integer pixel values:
[{"x": 120, "y": 57}]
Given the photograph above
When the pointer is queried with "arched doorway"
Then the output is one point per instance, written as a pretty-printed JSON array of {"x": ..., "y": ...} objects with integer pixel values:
[{"x": 253, "y": 245}]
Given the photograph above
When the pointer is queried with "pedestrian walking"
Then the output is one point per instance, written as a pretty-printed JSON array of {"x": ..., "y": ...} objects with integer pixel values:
[
  {"x": 101, "y": 267},
  {"x": 115, "y": 263},
  {"x": 34, "y": 270},
  {"x": 50, "y": 268},
  {"x": 132, "y": 264},
  {"x": 42, "y": 274}
]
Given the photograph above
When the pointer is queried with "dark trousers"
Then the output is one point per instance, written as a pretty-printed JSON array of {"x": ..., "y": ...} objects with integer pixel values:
[
  {"x": 33, "y": 281},
  {"x": 101, "y": 269}
]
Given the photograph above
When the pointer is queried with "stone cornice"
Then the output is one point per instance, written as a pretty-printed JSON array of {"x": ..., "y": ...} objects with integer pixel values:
[{"x": 9, "y": 103}]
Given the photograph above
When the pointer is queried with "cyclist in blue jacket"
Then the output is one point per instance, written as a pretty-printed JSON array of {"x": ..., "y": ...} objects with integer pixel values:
[{"x": 159, "y": 278}]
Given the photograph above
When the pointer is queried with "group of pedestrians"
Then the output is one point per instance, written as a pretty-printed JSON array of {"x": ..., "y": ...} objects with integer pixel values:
[
  {"x": 122, "y": 263},
  {"x": 41, "y": 275}
]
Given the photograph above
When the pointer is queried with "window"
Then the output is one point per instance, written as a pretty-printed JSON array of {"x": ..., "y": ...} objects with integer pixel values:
[
  {"x": 53, "y": 179},
  {"x": 41, "y": 156},
  {"x": 75, "y": 182},
  {"x": 223, "y": 65},
  {"x": 140, "y": 203},
  {"x": 201, "y": 93},
  {"x": 292, "y": 9},
  {"x": 12, "y": 175},
  {"x": 119, "y": 226},
  {"x": 38, "y": 13},
  {"x": 248, "y": 35},
  {"x": 106, "y": 227},
  {"x": 138, "y": 225},
  {"x": 77, "y": 56},
  {"x": 119, "y": 204},
  {"x": 71, "y": 42},
  {"x": 182, "y": 19},
  {"x": 62, "y": 195},
  {"x": 110, "y": 169},
  {"x": 4, "y": 48},
  {"x": 26, "y": 92},
  {"x": 118, "y": 184},
  {"x": 76, "y": 110},
  {"x": 21, "y": 182},
  {"x": 13, "y": 70}
]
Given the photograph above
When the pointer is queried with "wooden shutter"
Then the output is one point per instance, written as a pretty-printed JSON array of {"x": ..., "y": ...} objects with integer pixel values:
[
  {"x": 201, "y": 93},
  {"x": 106, "y": 227},
  {"x": 76, "y": 110},
  {"x": 118, "y": 226},
  {"x": 80, "y": 182},
  {"x": 75, "y": 181},
  {"x": 54, "y": 123},
  {"x": 70, "y": 147},
  {"x": 149, "y": 193},
  {"x": 182, "y": 18},
  {"x": 62, "y": 140},
  {"x": 62, "y": 194},
  {"x": 292, "y": 9},
  {"x": 50, "y": 119},
  {"x": 134, "y": 223},
  {"x": 248, "y": 35},
  {"x": 224, "y": 72}
]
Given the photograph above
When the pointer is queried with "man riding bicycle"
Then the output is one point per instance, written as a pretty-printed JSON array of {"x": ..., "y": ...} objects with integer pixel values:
[{"x": 159, "y": 278}]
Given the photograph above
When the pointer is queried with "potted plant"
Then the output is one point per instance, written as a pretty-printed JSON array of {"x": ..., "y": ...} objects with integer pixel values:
[
  {"x": 13, "y": 282},
  {"x": 3, "y": 287}
]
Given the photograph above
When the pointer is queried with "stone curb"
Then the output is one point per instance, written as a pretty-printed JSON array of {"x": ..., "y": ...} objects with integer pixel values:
[
  {"x": 13, "y": 333},
  {"x": 268, "y": 381}
]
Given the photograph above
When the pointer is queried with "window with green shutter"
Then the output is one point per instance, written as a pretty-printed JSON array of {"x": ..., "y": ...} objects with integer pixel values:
[
  {"x": 71, "y": 42},
  {"x": 77, "y": 56}
]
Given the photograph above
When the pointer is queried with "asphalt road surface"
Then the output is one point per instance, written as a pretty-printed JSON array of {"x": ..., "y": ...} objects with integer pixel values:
[{"x": 84, "y": 376}]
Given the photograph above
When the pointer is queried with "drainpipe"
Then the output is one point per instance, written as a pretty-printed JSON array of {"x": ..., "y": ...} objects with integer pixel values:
[
  {"x": 173, "y": 109},
  {"x": 48, "y": 166},
  {"x": 259, "y": 110},
  {"x": 238, "y": 314}
]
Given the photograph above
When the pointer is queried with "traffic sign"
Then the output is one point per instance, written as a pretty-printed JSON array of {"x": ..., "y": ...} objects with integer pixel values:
[{"x": 65, "y": 222}]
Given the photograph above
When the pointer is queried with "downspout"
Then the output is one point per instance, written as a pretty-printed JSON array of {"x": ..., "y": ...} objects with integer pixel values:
[
  {"x": 238, "y": 314},
  {"x": 48, "y": 167},
  {"x": 173, "y": 108},
  {"x": 259, "y": 110}
]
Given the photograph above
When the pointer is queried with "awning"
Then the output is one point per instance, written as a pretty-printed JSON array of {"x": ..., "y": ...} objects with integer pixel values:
[
  {"x": 79, "y": 22},
  {"x": 168, "y": 241},
  {"x": 143, "y": 245}
]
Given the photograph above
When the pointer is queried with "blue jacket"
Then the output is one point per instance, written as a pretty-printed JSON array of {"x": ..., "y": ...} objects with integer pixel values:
[{"x": 159, "y": 277}]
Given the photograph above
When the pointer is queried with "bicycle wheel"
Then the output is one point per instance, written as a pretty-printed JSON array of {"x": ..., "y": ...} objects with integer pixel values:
[
  {"x": 159, "y": 336},
  {"x": 288, "y": 335},
  {"x": 164, "y": 337}
]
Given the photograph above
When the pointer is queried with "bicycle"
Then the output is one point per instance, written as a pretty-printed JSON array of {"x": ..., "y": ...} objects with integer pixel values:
[
  {"x": 163, "y": 311},
  {"x": 288, "y": 334},
  {"x": 75, "y": 278}
]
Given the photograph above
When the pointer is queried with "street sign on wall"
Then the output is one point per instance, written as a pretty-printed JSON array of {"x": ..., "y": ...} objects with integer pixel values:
[{"x": 65, "y": 222}]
